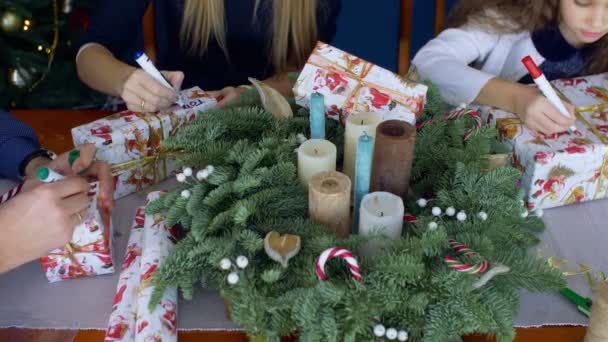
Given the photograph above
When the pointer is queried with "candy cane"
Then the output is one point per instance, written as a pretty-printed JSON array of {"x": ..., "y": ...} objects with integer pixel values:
[
  {"x": 11, "y": 193},
  {"x": 466, "y": 112},
  {"x": 458, "y": 265},
  {"x": 337, "y": 252}
]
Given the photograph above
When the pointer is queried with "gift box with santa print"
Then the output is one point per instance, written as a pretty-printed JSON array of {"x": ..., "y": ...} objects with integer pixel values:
[
  {"x": 565, "y": 168},
  {"x": 126, "y": 137},
  {"x": 350, "y": 84},
  {"x": 89, "y": 253}
]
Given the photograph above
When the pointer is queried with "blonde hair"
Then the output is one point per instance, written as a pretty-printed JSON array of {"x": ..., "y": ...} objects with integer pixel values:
[{"x": 294, "y": 29}]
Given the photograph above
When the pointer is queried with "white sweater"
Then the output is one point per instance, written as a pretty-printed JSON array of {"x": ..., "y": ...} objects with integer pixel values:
[{"x": 460, "y": 61}]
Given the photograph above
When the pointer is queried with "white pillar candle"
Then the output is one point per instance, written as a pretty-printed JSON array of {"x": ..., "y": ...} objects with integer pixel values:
[
  {"x": 314, "y": 156},
  {"x": 356, "y": 125},
  {"x": 380, "y": 213}
]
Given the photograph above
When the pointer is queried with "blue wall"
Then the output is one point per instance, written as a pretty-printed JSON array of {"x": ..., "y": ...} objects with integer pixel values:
[{"x": 370, "y": 30}]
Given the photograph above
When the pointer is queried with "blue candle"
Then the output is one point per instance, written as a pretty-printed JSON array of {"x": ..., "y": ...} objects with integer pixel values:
[
  {"x": 363, "y": 172},
  {"x": 317, "y": 116}
]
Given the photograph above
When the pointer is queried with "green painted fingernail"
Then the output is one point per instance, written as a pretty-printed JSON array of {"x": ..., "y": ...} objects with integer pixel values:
[{"x": 72, "y": 156}]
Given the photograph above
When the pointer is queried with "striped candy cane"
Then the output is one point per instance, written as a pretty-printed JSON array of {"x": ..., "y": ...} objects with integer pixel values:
[
  {"x": 337, "y": 252},
  {"x": 466, "y": 112},
  {"x": 11, "y": 193},
  {"x": 457, "y": 265}
]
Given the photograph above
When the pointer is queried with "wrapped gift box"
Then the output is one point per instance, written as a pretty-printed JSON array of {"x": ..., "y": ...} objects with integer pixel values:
[
  {"x": 351, "y": 84},
  {"x": 565, "y": 168},
  {"x": 90, "y": 251},
  {"x": 129, "y": 136}
]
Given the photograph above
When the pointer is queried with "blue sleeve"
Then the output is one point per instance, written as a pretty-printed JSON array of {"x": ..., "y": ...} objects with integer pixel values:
[
  {"x": 116, "y": 24},
  {"x": 17, "y": 141},
  {"x": 328, "y": 18}
]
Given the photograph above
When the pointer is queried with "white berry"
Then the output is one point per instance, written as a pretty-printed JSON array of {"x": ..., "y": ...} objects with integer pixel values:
[
  {"x": 301, "y": 138},
  {"x": 379, "y": 330},
  {"x": 181, "y": 177},
  {"x": 436, "y": 211},
  {"x": 433, "y": 225},
  {"x": 402, "y": 336},
  {"x": 461, "y": 216},
  {"x": 186, "y": 194},
  {"x": 450, "y": 211},
  {"x": 233, "y": 278},
  {"x": 539, "y": 213},
  {"x": 522, "y": 203},
  {"x": 524, "y": 214},
  {"x": 482, "y": 215},
  {"x": 202, "y": 174},
  {"x": 422, "y": 202},
  {"x": 225, "y": 264},
  {"x": 210, "y": 169},
  {"x": 242, "y": 261},
  {"x": 391, "y": 333},
  {"x": 187, "y": 172}
]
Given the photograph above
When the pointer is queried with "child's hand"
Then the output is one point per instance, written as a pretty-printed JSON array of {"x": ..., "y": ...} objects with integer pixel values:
[{"x": 541, "y": 116}]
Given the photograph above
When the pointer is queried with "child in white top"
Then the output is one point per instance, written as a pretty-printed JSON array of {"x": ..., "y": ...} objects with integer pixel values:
[{"x": 478, "y": 58}]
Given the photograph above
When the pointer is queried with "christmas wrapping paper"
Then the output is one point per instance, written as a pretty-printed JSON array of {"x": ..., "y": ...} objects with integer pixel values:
[
  {"x": 565, "y": 168},
  {"x": 157, "y": 242},
  {"x": 128, "y": 136},
  {"x": 351, "y": 84},
  {"x": 89, "y": 253},
  {"x": 121, "y": 326}
]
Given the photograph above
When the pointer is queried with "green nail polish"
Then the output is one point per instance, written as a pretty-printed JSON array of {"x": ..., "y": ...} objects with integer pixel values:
[{"x": 72, "y": 156}]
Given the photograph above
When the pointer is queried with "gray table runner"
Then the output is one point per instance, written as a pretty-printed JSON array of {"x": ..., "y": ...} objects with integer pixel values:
[{"x": 577, "y": 233}]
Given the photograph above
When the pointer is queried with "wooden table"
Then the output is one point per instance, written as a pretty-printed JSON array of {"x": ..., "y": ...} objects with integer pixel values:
[{"x": 53, "y": 128}]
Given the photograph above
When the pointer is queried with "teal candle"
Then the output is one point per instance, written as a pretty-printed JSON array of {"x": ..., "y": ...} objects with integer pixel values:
[
  {"x": 317, "y": 116},
  {"x": 363, "y": 172}
]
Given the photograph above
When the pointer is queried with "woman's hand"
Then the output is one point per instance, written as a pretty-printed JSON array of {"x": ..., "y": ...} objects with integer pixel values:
[
  {"x": 41, "y": 219},
  {"x": 226, "y": 95},
  {"x": 142, "y": 93},
  {"x": 542, "y": 116}
]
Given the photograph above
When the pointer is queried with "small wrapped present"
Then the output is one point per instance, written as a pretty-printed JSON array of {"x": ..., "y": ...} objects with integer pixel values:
[
  {"x": 90, "y": 251},
  {"x": 130, "y": 141},
  {"x": 565, "y": 168},
  {"x": 351, "y": 84}
]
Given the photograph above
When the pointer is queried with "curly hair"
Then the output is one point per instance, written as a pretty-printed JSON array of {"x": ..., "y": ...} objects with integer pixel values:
[{"x": 518, "y": 16}]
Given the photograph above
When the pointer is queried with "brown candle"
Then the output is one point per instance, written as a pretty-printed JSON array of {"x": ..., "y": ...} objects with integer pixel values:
[
  {"x": 329, "y": 201},
  {"x": 393, "y": 156}
]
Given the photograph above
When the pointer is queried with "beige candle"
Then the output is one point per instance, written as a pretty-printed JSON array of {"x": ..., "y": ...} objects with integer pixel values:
[
  {"x": 314, "y": 156},
  {"x": 329, "y": 201},
  {"x": 356, "y": 125},
  {"x": 598, "y": 329}
]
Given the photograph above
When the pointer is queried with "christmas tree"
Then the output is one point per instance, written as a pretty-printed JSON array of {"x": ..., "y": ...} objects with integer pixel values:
[
  {"x": 38, "y": 43},
  {"x": 421, "y": 289}
]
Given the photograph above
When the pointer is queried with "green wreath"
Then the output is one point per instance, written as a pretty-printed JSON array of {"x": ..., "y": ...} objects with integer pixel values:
[{"x": 408, "y": 292}]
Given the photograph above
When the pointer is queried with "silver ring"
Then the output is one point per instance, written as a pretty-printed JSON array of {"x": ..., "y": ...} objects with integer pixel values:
[
  {"x": 143, "y": 103},
  {"x": 79, "y": 217}
]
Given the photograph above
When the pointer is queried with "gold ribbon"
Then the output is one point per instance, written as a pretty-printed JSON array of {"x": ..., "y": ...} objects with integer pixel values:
[
  {"x": 578, "y": 112},
  {"x": 69, "y": 250},
  {"x": 149, "y": 163},
  {"x": 366, "y": 68}
]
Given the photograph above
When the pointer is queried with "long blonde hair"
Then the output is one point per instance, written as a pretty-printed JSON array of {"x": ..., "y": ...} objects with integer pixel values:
[{"x": 294, "y": 29}]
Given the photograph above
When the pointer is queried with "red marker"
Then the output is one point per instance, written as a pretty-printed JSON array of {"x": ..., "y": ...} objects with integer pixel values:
[{"x": 546, "y": 88}]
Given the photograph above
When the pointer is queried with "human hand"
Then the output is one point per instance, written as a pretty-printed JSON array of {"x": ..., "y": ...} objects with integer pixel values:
[
  {"x": 41, "y": 219},
  {"x": 142, "y": 93},
  {"x": 540, "y": 115},
  {"x": 78, "y": 162},
  {"x": 226, "y": 95}
]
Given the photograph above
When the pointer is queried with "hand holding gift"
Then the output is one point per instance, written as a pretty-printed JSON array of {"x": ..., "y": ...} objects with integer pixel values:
[{"x": 41, "y": 219}]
